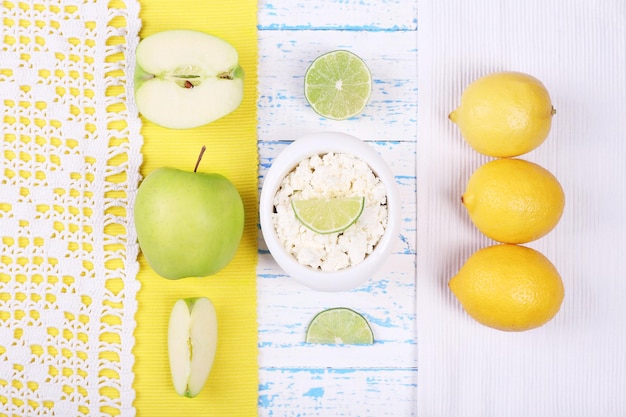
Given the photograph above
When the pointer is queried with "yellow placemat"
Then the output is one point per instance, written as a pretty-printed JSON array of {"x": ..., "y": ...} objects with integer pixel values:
[{"x": 232, "y": 151}]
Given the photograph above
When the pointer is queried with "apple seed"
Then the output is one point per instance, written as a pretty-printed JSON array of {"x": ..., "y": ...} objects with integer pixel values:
[{"x": 226, "y": 76}]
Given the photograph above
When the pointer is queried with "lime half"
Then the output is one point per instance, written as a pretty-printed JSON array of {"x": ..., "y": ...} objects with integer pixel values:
[
  {"x": 328, "y": 215},
  {"x": 339, "y": 326},
  {"x": 338, "y": 85}
]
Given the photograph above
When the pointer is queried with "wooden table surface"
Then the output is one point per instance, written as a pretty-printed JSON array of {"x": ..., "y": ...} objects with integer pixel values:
[{"x": 296, "y": 379}]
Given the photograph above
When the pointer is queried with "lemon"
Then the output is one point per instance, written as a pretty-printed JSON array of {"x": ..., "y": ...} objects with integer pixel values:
[
  {"x": 338, "y": 85},
  {"x": 328, "y": 215},
  {"x": 339, "y": 325},
  {"x": 504, "y": 114},
  {"x": 513, "y": 200},
  {"x": 509, "y": 287}
]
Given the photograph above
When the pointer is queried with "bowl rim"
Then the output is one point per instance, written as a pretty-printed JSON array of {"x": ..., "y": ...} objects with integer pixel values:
[{"x": 318, "y": 144}]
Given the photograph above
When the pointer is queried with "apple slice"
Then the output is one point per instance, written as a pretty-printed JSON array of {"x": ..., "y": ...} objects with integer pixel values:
[
  {"x": 185, "y": 78},
  {"x": 192, "y": 341}
]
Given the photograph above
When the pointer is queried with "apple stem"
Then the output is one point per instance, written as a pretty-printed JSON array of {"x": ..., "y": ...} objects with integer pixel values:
[{"x": 199, "y": 157}]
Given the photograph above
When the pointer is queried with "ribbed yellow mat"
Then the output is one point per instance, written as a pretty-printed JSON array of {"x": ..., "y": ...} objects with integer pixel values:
[{"x": 232, "y": 151}]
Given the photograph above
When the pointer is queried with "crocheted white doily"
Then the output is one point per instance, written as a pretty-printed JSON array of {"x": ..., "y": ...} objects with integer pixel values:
[{"x": 69, "y": 160}]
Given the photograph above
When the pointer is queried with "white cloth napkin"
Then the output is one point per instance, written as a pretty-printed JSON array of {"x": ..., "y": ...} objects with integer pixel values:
[{"x": 576, "y": 364}]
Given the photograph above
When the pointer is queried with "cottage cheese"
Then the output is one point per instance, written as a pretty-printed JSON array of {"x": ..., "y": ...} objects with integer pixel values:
[{"x": 329, "y": 176}]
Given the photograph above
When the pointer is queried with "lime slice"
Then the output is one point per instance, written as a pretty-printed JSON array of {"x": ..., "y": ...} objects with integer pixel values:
[
  {"x": 328, "y": 215},
  {"x": 337, "y": 85},
  {"x": 339, "y": 326}
]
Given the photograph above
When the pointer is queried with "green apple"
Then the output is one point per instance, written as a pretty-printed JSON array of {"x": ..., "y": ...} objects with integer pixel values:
[
  {"x": 185, "y": 78},
  {"x": 191, "y": 344},
  {"x": 188, "y": 224}
]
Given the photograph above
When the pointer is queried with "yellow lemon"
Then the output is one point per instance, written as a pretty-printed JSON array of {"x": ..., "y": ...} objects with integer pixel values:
[
  {"x": 504, "y": 114},
  {"x": 509, "y": 287},
  {"x": 513, "y": 200}
]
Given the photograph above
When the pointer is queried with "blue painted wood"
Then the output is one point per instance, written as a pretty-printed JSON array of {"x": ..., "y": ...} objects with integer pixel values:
[
  {"x": 391, "y": 114},
  {"x": 355, "y": 15},
  {"x": 295, "y": 378},
  {"x": 372, "y": 392}
]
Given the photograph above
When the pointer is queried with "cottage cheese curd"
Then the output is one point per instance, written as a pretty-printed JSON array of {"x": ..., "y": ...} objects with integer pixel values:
[{"x": 331, "y": 175}]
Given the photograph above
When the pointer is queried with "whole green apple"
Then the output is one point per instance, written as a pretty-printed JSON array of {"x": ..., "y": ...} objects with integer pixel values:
[{"x": 189, "y": 224}]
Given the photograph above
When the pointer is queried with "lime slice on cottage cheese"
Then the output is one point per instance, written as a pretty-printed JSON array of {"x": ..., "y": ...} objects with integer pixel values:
[
  {"x": 338, "y": 85},
  {"x": 328, "y": 215},
  {"x": 339, "y": 326}
]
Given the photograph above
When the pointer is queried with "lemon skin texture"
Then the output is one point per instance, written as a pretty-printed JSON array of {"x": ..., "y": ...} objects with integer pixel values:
[
  {"x": 509, "y": 287},
  {"x": 513, "y": 200},
  {"x": 504, "y": 114}
]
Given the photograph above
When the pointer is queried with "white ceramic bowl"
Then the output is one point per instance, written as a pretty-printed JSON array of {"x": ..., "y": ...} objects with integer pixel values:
[{"x": 319, "y": 144}]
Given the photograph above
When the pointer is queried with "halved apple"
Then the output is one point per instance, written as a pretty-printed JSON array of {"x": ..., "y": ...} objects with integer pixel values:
[
  {"x": 192, "y": 342},
  {"x": 186, "y": 78}
]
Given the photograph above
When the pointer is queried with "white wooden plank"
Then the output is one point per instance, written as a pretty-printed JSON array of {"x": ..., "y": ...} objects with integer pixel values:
[
  {"x": 297, "y": 379},
  {"x": 284, "y": 58},
  {"x": 359, "y": 15},
  {"x": 387, "y": 301},
  {"x": 338, "y": 392}
]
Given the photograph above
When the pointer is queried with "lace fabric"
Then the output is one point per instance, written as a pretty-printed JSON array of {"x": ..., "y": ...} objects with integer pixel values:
[{"x": 69, "y": 165}]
